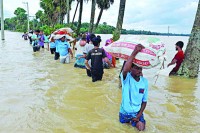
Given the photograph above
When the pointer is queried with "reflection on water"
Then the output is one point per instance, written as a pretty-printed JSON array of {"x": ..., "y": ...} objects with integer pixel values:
[{"x": 39, "y": 94}]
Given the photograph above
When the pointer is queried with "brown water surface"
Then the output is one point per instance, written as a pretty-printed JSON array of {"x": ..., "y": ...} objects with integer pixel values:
[{"x": 38, "y": 94}]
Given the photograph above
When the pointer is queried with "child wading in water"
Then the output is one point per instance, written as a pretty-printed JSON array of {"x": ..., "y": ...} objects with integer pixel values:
[{"x": 52, "y": 45}]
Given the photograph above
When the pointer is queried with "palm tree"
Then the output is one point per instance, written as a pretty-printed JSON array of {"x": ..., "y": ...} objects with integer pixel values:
[
  {"x": 47, "y": 6},
  {"x": 75, "y": 11},
  {"x": 69, "y": 3},
  {"x": 190, "y": 65},
  {"x": 103, "y": 5},
  {"x": 80, "y": 17},
  {"x": 92, "y": 16},
  {"x": 68, "y": 10},
  {"x": 117, "y": 31},
  {"x": 54, "y": 10}
]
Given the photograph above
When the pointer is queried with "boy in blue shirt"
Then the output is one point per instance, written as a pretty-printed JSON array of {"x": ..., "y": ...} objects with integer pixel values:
[
  {"x": 134, "y": 93},
  {"x": 52, "y": 45}
]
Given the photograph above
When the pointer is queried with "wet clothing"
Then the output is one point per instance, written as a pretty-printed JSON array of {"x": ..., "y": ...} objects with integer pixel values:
[
  {"x": 30, "y": 37},
  {"x": 124, "y": 118},
  {"x": 79, "y": 62},
  {"x": 106, "y": 65},
  {"x": 35, "y": 44},
  {"x": 34, "y": 37},
  {"x": 96, "y": 74},
  {"x": 37, "y": 48},
  {"x": 46, "y": 39},
  {"x": 41, "y": 40},
  {"x": 57, "y": 43},
  {"x": 88, "y": 73},
  {"x": 52, "y": 46},
  {"x": 57, "y": 56},
  {"x": 79, "y": 52},
  {"x": 133, "y": 94},
  {"x": 179, "y": 57},
  {"x": 65, "y": 59},
  {"x": 52, "y": 50},
  {"x": 25, "y": 36},
  {"x": 96, "y": 56},
  {"x": 87, "y": 48},
  {"x": 63, "y": 48}
]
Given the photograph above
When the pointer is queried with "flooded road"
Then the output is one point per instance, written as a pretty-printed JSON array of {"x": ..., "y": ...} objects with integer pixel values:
[{"x": 40, "y": 95}]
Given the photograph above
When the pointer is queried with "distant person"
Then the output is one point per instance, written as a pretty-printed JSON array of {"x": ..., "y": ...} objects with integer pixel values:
[
  {"x": 97, "y": 55},
  {"x": 35, "y": 38},
  {"x": 178, "y": 58},
  {"x": 88, "y": 36},
  {"x": 52, "y": 45},
  {"x": 25, "y": 36},
  {"x": 57, "y": 55},
  {"x": 79, "y": 37},
  {"x": 41, "y": 39},
  {"x": 134, "y": 93},
  {"x": 46, "y": 40},
  {"x": 30, "y": 36}
]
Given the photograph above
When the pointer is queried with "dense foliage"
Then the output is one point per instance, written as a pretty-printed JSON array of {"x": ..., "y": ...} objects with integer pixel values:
[{"x": 19, "y": 23}]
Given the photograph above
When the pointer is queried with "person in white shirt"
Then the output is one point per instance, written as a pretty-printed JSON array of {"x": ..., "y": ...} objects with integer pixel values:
[{"x": 80, "y": 47}]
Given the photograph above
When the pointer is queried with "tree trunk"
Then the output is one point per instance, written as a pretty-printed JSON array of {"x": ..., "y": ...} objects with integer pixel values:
[
  {"x": 118, "y": 29},
  {"x": 68, "y": 11},
  {"x": 75, "y": 12},
  {"x": 80, "y": 17},
  {"x": 68, "y": 17},
  {"x": 190, "y": 65},
  {"x": 92, "y": 16},
  {"x": 98, "y": 19}
]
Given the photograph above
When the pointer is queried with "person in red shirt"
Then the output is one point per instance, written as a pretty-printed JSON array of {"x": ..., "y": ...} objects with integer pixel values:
[{"x": 178, "y": 58}]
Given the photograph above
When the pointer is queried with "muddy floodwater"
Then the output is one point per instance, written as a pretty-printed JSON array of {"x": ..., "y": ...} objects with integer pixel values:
[{"x": 40, "y": 95}]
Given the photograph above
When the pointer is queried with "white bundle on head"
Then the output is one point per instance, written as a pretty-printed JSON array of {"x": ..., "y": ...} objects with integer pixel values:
[{"x": 149, "y": 57}]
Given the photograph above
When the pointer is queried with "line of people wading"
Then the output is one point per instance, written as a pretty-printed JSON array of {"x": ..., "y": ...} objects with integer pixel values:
[{"x": 88, "y": 55}]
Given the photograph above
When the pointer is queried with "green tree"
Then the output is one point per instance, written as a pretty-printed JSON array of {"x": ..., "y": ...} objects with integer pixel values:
[
  {"x": 117, "y": 32},
  {"x": 190, "y": 65},
  {"x": 38, "y": 14},
  {"x": 55, "y": 10},
  {"x": 19, "y": 11},
  {"x": 105, "y": 29},
  {"x": 102, "y": 5},
  {"x": 42, "y": 17},
  {"x": 20, "y": 19},
  {"x": 47, "y": 6},
  {"x": 10, "y": 23}
]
